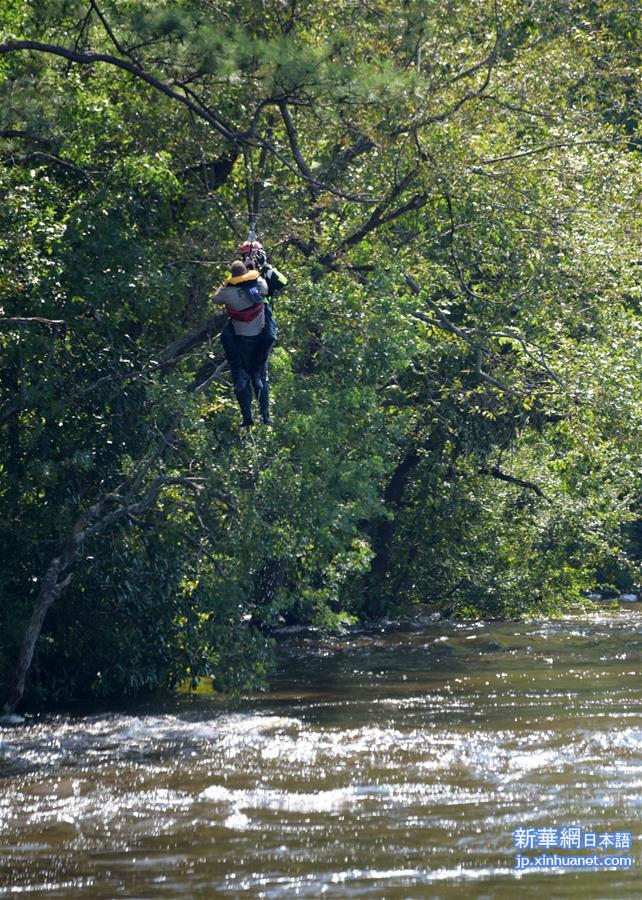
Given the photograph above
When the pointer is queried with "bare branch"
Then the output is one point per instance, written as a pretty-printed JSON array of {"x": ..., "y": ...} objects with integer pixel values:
[
  {"x": 494, "y": 472},
  {"x": 16, "y": 321},
  {"x": 57, "y": 578},
  {"x": 294, "y": 141},
  {"x": 379, "y": 216},
  {"x": 479, "y": 360},
  {"x": 185, "y": 344},
  {"x": 321, "y": 186},
  {"x": 340, "y": 162},
  {"x": 489, "y": 62},
  {"x": 464, "y": 335},
  {"x": 59, "y": 161},
  {"x": 546, "y": 148},
  {"x": 441, "y": 315},
  {"x": 199, "y": 386},
  {"x": 108, "y": 29}
]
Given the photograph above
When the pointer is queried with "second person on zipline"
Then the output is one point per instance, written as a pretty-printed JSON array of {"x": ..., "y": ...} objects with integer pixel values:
[{"x": 247, "y": 346}]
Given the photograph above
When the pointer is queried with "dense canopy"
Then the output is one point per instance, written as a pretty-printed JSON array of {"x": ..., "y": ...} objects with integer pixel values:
[{"x": 453, "y": 192}]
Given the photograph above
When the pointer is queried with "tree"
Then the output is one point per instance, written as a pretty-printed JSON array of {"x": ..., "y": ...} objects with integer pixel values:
[{"x": 451, "y": 426}]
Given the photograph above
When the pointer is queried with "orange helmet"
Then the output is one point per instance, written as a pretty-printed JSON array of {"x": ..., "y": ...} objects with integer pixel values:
[{"x": 251, "y": 248}]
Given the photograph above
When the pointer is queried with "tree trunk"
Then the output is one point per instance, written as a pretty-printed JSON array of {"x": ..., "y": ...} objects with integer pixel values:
[
  {"x": 89, "y": 525},
  {"x": 50, "y": 590},
  {"x": 385, "y": 533}
]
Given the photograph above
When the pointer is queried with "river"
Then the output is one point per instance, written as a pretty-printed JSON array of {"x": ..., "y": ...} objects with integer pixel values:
[{"x": 394, "y": 765}]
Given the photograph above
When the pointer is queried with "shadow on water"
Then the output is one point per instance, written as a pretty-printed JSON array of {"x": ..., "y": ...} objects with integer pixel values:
[{"x": 380, "y": 765}]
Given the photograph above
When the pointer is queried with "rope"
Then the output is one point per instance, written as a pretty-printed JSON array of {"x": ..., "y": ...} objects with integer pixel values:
[
  {"x": 249, "y": 180},
  {"x": 254, "y": 178}
]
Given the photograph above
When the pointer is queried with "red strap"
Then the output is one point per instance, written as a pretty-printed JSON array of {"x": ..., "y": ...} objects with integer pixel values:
[{"x": 245, "y": 315}]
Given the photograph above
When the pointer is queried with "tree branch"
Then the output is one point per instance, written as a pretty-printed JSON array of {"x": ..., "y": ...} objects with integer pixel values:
[
  {"x": 340, "y": 162},
  {"x": 90, "y": 58},
  {"x": 377, "y": 218},
  {"x": 558, "y": 145},
  {"x": 197, "y": 107},
  {"x": 461, "y": 333},
  {"x": 489, "y": 62},
  {"x": 108, "y": 29},
  {"x": 16, "y": 321},
  {"x": 294, "y": 141},
  {"x": 441, "y": 315},
  {"x": 494, "y": 472}
]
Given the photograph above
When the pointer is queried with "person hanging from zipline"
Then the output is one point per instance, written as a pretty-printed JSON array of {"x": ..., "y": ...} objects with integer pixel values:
[{"x": 250, "y": 333}]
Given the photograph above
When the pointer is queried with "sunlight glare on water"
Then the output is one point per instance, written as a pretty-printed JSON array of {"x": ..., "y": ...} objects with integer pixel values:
[{"x": 390, "y": 765}]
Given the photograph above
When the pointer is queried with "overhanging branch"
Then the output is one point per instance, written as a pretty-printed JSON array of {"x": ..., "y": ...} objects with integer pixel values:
[
  {"x": 90, "y": 58},
  {"x": 17, "y": 321},
  {"x": 188, "y": 99},
  {"x": 495, "y": 472}
]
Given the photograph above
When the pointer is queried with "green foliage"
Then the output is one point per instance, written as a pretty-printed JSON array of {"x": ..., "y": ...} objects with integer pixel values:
[{"x": 474, "y": 445}]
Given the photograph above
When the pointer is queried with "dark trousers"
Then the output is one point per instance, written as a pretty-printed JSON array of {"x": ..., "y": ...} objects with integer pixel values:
[{"x": 247, "y": 357}]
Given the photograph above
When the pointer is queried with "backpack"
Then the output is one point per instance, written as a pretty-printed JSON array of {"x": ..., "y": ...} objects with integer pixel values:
[{"x": 253, "y": 291}]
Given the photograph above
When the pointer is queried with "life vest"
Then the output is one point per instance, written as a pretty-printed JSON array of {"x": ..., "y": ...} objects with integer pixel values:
[
  {"x": 275, "y": 280},
  {"x": 249, "y": 286}
]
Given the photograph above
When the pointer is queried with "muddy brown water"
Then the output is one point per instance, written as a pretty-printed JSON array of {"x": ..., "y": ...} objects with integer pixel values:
[{"x": 393, "y": 765}]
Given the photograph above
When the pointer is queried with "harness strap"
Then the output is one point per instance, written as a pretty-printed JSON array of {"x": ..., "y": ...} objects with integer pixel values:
[{"x": 245, "y": 315}]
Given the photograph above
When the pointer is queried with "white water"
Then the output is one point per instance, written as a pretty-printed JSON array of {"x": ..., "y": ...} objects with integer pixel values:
[{"x": 390, "y": 766}]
